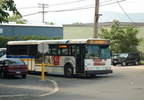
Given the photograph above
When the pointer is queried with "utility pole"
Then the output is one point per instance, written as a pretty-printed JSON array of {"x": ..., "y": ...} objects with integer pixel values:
[
  {"x": 43, "y": 6},
  {"x": 96, "y": 17}
]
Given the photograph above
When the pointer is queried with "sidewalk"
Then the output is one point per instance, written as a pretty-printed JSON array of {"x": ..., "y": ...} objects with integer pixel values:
[{"x": 20, "y": 89}]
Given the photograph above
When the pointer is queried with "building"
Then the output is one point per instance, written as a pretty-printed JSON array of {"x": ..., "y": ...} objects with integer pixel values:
[
  {"x": 10, "y": 30},
  {"x": 82, "y": 31},
  {"x": 76, "y": 31}
]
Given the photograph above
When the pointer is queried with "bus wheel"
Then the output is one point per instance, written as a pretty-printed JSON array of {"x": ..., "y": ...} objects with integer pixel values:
[{"x": 68, "y": 71}]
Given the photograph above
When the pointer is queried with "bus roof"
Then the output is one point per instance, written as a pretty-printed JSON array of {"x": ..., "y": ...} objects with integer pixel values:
[{"x": 66, "y": 41}]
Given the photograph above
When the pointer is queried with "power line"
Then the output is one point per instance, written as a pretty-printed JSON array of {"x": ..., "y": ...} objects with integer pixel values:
[
  {"x": 67, "y": 3},
  {"x": 62, "y": 4},
  {"x": 27, "y": 7},
  {"x": 125, "y": 12},
  {"x": 106, "y": 1},
  {"x": 83, "y": 7},
  {"x": 77, "y": 8},
  {"x": 53, "y": 4},
  {"x": 30, "y": 14},
  {"x": 112, "y": 3}
]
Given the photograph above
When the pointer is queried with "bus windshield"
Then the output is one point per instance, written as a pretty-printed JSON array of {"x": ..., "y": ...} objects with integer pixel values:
[{"x": 94, "y": 51}]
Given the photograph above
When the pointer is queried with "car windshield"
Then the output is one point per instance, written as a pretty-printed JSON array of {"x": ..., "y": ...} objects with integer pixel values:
[
  {"x": 2, "y": 53},
  {"x": 14, "y": 62},
  {"x": 123, "y": 55},
  {"x": 94, "y": 51}
]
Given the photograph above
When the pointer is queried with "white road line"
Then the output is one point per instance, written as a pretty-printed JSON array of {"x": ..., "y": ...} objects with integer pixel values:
[{"x": 56, "y": 89}]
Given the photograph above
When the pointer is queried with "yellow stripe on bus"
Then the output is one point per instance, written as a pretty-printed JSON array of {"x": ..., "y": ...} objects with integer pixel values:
[
  {"x": 28, "y": 59},
  {"x": 44, "y": 64}
]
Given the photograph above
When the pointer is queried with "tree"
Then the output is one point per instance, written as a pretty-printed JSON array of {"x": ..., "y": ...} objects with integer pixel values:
[
  {"x": 56, "y": 38},
  {"x": 4, "y": 40},
  {"x": 17, "y": 18},
  {"x": 123, "y": 39},
  {"x": 77, "y": 23},
  {"x": 7, "y": 6},
  {"x": 40, "y": 37},
  {"x": 49, "y": 23},
  {"x": 33, "y": 37}
]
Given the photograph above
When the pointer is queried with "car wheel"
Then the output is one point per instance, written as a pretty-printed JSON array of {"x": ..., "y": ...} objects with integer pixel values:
[
  {"x": 92, "y": 75},
  {"x": 2, "y": 75},
  {"x": 114, "y": 64},
  {"x": 123, "y": 63},
  {"x": 24, "y": 76},
  {"x": 68, "y": 71},
  {"x": 136, "y": 62}
]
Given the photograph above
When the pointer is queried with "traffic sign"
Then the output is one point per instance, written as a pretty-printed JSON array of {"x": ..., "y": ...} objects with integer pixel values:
[{"x": 43, "y": 47}]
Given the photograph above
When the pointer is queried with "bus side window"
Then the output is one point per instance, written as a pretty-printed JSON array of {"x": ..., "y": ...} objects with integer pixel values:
[
  {"x": 54, "y": 49},
  {"x": 65, "y": 51},
  {"x": 73, "y": 50}
]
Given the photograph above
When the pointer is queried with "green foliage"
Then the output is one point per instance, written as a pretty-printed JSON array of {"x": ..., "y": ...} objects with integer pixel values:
[
  {"x": 123, "y": 39},
  {"x": 17, "y": 18},
  {"x": 33, "y": 37},
  {"x": 4, "y": 40},
  {"x": 56, "y": 38},
  {"x": 7, "y": 6},
  {"x": 77, "y": 23},
  {"x": 40, "y": 37},
  {"x": 49, "y": 23}
]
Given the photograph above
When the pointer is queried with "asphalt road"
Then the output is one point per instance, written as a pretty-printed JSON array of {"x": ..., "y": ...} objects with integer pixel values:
[{"x": 126, "y": 83}]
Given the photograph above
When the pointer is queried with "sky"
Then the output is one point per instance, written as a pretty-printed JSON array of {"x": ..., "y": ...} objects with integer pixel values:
[{"x": 66, "y": 11}]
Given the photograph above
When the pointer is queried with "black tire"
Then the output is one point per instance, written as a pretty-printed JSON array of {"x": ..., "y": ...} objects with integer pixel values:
[
  {"x": 114, "y": 64},
  {"x": 68, "y": 71},
  {"x": 24, "y": 76},
  {"x": 136, "y": 62},
  {"x": 123, "y": 63},
  {"x": 2, "y": 75},
  {"x": 92, "y": 75}
]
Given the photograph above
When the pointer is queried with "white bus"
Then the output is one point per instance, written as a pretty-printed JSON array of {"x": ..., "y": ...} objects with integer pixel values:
[{"x": 68, "y": 57}]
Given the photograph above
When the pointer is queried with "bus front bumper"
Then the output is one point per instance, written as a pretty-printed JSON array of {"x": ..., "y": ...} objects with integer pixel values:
[{"x": 95, "y": 72}]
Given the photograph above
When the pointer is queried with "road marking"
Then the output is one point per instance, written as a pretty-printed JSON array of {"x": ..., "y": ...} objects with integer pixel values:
[
  {"x": 14, "y": 95},
  {"x": 56, "y": 89}
]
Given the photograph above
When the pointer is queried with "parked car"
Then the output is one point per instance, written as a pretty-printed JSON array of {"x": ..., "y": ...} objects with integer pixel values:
[
  {"x": 12, "y": 66},
  {"x": 126, "y": 58},
  {"x": 2, "y": 52}
]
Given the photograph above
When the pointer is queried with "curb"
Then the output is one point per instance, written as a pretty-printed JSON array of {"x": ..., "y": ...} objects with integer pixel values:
[{"x": 26, "y": 96}]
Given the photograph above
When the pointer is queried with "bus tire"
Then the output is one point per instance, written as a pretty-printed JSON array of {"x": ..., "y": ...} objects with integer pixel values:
[{"x": 68, "y": 71}]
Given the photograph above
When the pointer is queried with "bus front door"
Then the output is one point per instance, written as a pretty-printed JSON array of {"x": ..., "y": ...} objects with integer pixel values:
[{"x": 79, "y": 59}]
